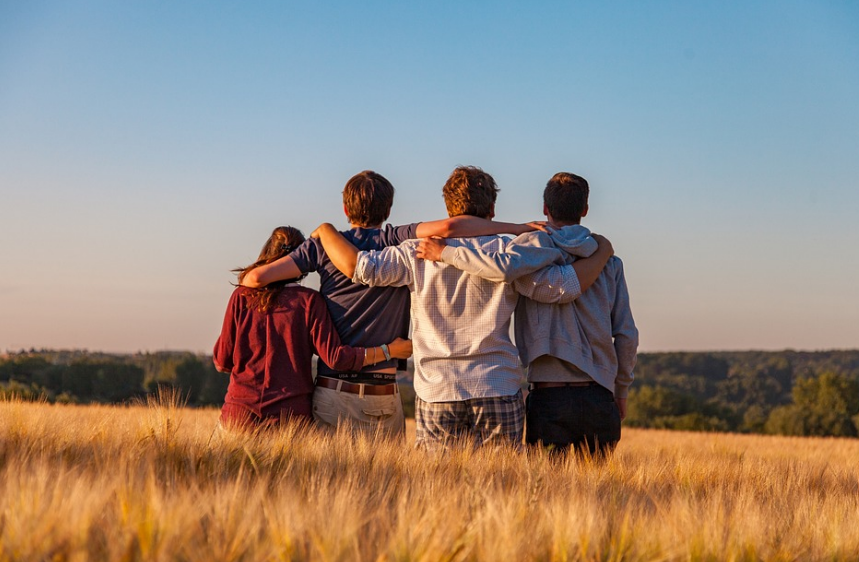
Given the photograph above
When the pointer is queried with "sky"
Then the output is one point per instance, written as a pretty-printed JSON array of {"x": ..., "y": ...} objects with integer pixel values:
[{"x": 147, "y": 148}]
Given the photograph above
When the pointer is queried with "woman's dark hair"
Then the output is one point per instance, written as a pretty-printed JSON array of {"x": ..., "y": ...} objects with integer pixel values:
[{"x": 283, "y": 240}]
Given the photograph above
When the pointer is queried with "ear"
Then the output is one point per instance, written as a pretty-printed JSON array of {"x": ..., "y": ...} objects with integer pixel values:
[
  {"x": 345, "y": 212},
  {"x": 491, "y": 212},
  {"x": 585, "y": 211},
  {"x": 545, "y": 210}
]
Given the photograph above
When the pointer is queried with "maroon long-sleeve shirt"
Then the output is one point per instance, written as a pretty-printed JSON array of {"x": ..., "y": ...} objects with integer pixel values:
[{"x": 268, "y": 354}]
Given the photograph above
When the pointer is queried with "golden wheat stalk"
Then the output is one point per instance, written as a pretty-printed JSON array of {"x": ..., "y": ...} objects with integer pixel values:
[{"x": 158, "y": 482}]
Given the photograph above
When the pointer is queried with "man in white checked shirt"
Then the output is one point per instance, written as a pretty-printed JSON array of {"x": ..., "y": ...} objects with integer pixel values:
[{"x": 467, "y": 372}]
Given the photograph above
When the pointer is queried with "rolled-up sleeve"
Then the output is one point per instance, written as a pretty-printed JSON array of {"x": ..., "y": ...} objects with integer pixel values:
[
  {"x": 391, "y": 267},
  {"x": 556, "y": 284}
]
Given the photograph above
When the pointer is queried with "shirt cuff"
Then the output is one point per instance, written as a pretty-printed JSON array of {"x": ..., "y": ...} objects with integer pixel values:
[{"x": 360, "y": 265}]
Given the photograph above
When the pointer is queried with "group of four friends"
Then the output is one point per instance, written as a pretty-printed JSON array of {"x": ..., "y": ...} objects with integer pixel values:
[{"x": 459, "y": 282}]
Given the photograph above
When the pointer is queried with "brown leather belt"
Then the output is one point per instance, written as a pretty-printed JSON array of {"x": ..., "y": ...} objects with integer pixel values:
[
  {"x": 356, "y": 388},
  {"x": 560, "y": 384}
]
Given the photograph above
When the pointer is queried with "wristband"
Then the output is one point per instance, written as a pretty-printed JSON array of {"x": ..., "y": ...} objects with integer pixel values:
[{"x": 385, "y": 350}]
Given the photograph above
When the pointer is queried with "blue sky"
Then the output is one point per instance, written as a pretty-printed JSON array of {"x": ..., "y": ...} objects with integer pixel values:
[{"x": 148, "y": 148}]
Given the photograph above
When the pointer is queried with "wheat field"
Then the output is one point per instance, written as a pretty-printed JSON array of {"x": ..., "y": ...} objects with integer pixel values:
[{"x": 157, "y": 482}]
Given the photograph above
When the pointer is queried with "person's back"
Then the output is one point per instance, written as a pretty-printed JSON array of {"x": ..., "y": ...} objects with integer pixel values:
[
  {"x": 581, "y": 332},
  {"x": 580, "y": 355},
  {"x": 460, "y": 324},
  {"x": 362, "y": 315},
  {"x": 268, "y": 339},
  {"x": 366, "y": 398},
  {"x": 268, "y": 352}
]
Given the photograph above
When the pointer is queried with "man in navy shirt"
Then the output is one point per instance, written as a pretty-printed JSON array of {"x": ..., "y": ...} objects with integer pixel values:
[{"x": 366, "y": 316}]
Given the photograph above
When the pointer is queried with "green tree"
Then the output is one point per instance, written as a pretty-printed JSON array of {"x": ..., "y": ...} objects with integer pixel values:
[
  {"x": 102, "y": 380},
  {"x": 754, "y": 419},
  {"x": 21, "y": 391},
  {"x": 31, "y": 369},
  {"x": 191, "y": 378},
  {"x": 786, "y": 420},
  {"x": 666, "y": 408},
  {"x": 215, "y": 387},
  {"x": 823, "y": 405}
]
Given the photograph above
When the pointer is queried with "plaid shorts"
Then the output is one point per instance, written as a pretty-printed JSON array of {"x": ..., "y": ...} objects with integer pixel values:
[{"x": 494, "y": 421}]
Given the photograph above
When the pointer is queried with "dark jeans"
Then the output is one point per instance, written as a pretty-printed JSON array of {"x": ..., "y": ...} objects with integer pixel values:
[{"x": 582, "y": 417}]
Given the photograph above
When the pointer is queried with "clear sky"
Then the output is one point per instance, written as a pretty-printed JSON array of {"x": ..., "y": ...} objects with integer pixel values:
[{"x": 146, "y": 148}]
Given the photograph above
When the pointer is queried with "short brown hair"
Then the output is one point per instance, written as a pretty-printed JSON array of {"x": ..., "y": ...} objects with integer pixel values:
[
  {"x": 566, "y": 197},
  {"x": 469, "y": 191},
  {"x": 368, "y": 197}
]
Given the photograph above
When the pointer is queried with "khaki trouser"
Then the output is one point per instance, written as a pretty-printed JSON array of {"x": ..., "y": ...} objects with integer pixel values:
[{"x": 365, "y": 414}]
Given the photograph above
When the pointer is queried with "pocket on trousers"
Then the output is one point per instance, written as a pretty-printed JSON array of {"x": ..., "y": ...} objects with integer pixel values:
[
  {"x": 379, "y": 413},
  {"x": 325, "y": 411}
]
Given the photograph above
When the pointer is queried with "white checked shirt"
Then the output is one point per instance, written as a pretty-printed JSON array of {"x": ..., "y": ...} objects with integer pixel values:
[{"x": 460, "y": 322}]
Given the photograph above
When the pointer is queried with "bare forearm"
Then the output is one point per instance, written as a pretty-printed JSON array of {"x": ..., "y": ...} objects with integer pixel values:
[
  {"x": 398, "y": 349},
  {"x": 464, "y": 226},
  {"x": 278, "y": 270},
  {"x": 340, "y": 251},
  {"x": 589, "y": 269}
]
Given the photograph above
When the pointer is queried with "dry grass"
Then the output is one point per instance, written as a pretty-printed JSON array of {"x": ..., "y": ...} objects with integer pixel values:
[{"x": 156, "y": 483}]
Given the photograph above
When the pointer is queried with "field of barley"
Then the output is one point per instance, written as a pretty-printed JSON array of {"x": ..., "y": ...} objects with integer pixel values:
[{"x": 156, "y": 482}]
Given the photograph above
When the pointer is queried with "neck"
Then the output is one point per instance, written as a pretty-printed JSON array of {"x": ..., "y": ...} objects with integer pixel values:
[
  {"x": 560, "y": 224},
  {"x": 376, "y": 226}
]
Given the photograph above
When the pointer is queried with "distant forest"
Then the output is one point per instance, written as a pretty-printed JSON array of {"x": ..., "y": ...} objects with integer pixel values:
[{"x": 784, "y": 392}]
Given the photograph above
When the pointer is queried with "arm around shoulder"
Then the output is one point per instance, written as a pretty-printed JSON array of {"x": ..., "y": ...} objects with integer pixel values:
[
  {"x": 589, "y": 269},
  {"x": 561, "y": 284},
  {"x": 279, "y": 270},
  {"x": 515, "y": 261},
  {"x": 464, "y": 226},
  {"x": 340, "y": 251},
  {"x": 326, "y": 340},
  {"x": 391, "y": 267}
]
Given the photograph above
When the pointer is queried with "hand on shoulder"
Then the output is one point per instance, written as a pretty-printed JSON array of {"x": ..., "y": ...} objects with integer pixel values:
[
  {"x": 430, "y": 249},
  {"x": 604, "y": 245}
]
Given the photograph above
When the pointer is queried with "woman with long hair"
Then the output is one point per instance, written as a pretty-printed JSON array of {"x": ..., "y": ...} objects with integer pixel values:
[{"x": 268, "y": 339}]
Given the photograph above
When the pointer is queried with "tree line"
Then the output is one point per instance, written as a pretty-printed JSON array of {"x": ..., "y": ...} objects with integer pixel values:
[
  {"x": 90, "y": 377},
  {"x": 784, "y": 392}
]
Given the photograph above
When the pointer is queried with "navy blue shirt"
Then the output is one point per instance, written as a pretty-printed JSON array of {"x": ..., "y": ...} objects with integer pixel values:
[{"x": 363, "y": 316}]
